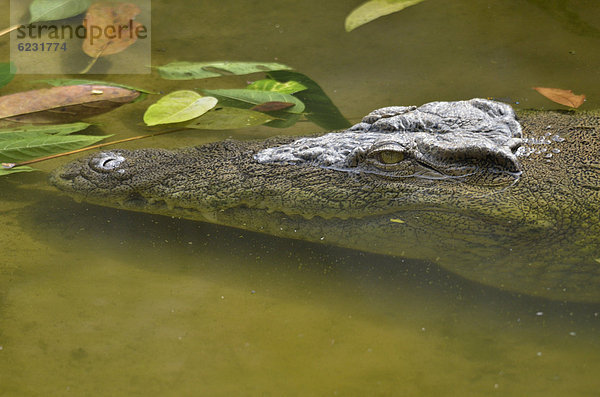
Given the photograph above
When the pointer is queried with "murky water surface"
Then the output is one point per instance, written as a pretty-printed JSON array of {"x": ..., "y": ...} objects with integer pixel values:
[{"x": 95, "y": 301}]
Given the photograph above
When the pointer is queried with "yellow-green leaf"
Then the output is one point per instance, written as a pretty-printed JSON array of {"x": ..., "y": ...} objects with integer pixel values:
[
  {"x": 289, "y": 87},
  {"x": 374, "y": 9},
  {"x": 178, "y": 106}
]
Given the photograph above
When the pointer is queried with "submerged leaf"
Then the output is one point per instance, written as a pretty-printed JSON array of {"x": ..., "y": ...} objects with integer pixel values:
[
  {"x": 564, "y": 97},
  {"x": 271, "y": 106},
  {"x": 63, "y": 104},
  {"x": 178, "y": 106},
  {"x": 99, "y": 19},
  {"x": 289, "y": 87},
  {"x": 226, "y": 118},
  {"x": 283, "y": 120},
  {"x": 319, "y": 108},
  {"x": 29, "y": 131},
  {"x": 255, "y": 97},
  {"x": 52, "y": 10},
  {"x": 374, "y": 9},
  {"x": 21, "y": 149},
  {"x": 204, "y": 70},
  {"x": 104, "y": 15},
  {"x": 7, "y": 72}
]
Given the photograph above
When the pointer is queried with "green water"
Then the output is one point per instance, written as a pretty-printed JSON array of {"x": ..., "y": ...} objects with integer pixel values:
[{"x": 100, "y": 302}]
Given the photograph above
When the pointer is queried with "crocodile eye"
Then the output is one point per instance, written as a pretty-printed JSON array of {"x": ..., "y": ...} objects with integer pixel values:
[
  {"x": 106, "y": 161},
  {"x": 390, "y": 156}
]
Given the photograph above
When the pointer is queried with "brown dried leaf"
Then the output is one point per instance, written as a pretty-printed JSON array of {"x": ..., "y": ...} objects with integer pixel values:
[
  {"x": 564, "y": 97},
  {"x": 272, "y": 106},
  {"x": 117, "y": 26},
  {"x": 63, "y": 104}
]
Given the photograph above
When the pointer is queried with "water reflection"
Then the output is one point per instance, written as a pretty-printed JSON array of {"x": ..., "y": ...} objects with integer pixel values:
[{"x": 163, "y": 304}]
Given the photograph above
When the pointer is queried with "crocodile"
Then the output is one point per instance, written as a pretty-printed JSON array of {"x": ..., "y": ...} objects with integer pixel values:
[{"x": 511, "y": 201}]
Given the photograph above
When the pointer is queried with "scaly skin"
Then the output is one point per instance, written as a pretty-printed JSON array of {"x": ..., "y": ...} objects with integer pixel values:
[{"x": 539, "y": 235}]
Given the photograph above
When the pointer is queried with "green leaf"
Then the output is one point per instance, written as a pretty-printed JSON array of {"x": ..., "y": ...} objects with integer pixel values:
[
  {"x": 178, "y": 106},
  {"x": 7, "y": 72},
  {"x": 256, "y": 97},
  {"x": 319, "y": 108},
  {"x": 227, "y": 118},
  {"x": 204, "y": 70},
  {"x": 29, "y": 131},
  {"x": 52, "y": 10},
  {"x": 16, "y": 150},
  {"x": 64, "y": 82},
  {"x": 6, "y": 171},
  {"x": 374, "y": 9},
  {"x": 289, "y": 87}
]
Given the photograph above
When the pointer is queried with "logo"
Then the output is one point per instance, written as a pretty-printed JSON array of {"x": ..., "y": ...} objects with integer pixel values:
[{"x": 98, "y": 37}]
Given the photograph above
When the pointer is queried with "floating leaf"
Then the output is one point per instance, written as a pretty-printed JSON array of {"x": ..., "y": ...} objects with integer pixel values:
[
  {"x": 63, "y": 104},
  {"x": 226, "y": 118},
  {"x": 178, "y": 106},
  {"x": 256, "y": 97},
  {"x": 271, "y": 106},
  {"x": 16, "y": 150},
  {"x": 7, "y": 72},
  {"x": 14, "y": 170},
  {"x": 289, "y": 87},
  {"x": 63, "y": 82},
  {"x": 99, "y": 18},
  {"x": 29, "y": 131},
  {"x": 52, "y": 10},
  {"x": 564, "y": 97},
  {"x": 204, "y": 70},
  {"x": 396, "y": 220},
  {"x": 319, "y": 108},
  {"x": 374, "y": 9}
]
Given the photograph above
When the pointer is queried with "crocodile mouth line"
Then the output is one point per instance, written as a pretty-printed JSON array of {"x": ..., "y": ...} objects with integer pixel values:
[{"x": 137, "y": 202}]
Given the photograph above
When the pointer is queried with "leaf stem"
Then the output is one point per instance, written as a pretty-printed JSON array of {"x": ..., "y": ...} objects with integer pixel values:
[
  {"x": 9, "y": 29},
  {"x": 94, "y": 59},
  {"x": 90, "y": 65},
  {"x": 100, "y": 145}
]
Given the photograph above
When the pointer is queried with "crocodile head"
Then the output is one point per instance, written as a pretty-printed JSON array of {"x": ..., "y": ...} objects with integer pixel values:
[
  {"x": 375, "y": 167},
  {"x": 446, "y": 182}
]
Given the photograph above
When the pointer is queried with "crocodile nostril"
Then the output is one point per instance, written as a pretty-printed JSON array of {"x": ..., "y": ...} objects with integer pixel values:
[
  {"x": 514, "y": 144},
  {"x": 106, "y": 161}
]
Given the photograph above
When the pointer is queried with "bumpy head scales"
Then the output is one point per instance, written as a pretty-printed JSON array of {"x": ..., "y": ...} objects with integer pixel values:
[{"x": 436, "y": 140}]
